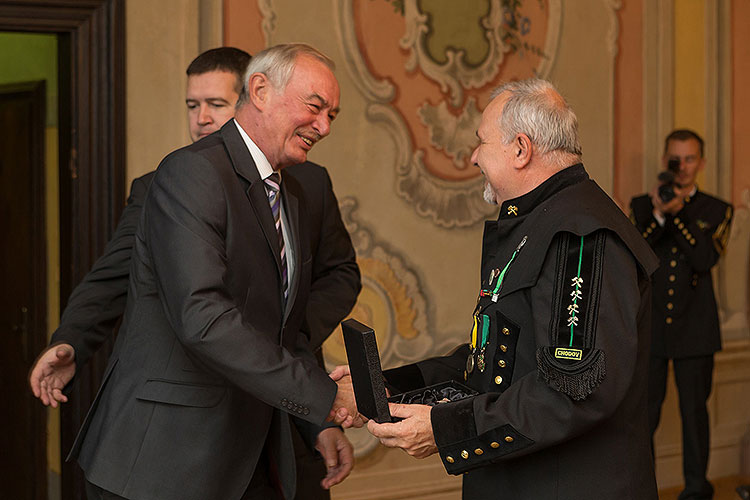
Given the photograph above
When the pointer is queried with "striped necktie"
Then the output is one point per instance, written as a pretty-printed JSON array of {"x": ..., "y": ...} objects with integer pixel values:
[{"x": 273, "y": 183}]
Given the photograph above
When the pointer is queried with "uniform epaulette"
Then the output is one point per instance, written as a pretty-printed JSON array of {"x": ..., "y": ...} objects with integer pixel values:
[
  {"x": 572, "y": 365},
  {"x": 721, "y": 235}
]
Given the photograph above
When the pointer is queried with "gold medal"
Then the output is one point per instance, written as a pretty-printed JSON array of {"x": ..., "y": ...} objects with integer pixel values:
[{"x": 470, "y": 363}]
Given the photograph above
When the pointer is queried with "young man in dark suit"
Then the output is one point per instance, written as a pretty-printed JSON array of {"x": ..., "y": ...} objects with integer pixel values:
[
  {"x": 688, "y": 230},
  {"x": 213, "y": 87}
]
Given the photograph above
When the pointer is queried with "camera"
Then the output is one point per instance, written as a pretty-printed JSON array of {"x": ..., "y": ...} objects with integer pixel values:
[{"x": 667, "y": 179}]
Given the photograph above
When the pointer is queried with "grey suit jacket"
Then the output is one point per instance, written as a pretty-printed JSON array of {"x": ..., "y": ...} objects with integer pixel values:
[{"x": 209, "y": 362}]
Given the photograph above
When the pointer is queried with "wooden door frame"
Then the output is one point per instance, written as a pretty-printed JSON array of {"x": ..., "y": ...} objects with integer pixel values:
[{"x": 91, "y": 117}]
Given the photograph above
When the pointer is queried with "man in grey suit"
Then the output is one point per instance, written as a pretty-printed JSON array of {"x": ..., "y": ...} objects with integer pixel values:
[
  {"x": 213, "y": 87},
  {"x": 210, "y": 361}
]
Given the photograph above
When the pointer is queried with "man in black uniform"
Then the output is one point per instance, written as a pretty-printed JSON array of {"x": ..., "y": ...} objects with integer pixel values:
[
  {"x": 559, "y": 345},
  {"x": 688, "y": 230},
  {"x": 213, "y": 87}
]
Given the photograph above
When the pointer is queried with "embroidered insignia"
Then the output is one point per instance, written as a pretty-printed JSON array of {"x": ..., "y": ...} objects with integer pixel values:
[
  {"x": 512, "y": 209},
  {"x": 563, "y": 353},
  {"x": 571, "y": 364}
]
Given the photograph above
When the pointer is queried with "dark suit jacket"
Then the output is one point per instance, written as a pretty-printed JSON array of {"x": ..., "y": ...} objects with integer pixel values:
[
  {"x": 209, "y": 363},
  {"x": 98, "y": 302},
  {"x": 685, "y": 316}
]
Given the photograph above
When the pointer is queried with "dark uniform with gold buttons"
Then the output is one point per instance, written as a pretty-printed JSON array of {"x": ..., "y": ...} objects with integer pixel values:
[
  {"x": 558, "y": 348},
  {"x": 685, "y": 318}
]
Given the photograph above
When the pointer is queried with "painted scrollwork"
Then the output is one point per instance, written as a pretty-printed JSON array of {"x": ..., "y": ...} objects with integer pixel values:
[
  {"x": 447, "y": 203},
  {"x": 455, "y": 75}
]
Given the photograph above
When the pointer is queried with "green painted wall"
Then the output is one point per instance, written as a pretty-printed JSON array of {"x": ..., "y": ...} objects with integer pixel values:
[{"x": 27, "y": 57}]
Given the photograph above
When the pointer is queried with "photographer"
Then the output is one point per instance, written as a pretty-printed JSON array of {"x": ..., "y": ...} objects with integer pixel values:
[{"x": 688, "y": 231}]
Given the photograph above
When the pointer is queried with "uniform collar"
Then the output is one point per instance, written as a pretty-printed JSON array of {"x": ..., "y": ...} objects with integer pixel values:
[{"x": 523, "y": 205}]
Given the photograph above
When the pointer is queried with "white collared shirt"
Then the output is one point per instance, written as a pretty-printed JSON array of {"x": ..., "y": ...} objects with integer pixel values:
[{"x": 265, "y": 169}]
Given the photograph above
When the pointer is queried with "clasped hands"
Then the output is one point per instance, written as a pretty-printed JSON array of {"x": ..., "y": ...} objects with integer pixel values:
[{"x": 413, "y": 434}]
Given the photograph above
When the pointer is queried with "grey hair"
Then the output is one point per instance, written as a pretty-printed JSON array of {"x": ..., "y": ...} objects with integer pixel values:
[
  {"x": 278, "y": 63},
  {"x": 535, "y": 108}
]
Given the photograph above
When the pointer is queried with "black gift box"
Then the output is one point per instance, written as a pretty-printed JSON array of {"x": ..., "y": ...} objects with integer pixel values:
[{"x": 367, "y": 377}]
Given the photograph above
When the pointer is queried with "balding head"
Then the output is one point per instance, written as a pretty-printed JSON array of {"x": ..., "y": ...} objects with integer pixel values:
[
  {"x": 527, "y": 134},
  {"x": 535, "y": 108}
]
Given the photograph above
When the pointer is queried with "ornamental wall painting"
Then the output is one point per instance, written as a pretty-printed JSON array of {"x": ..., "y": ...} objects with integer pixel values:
[{"x": 427, "y": 68}]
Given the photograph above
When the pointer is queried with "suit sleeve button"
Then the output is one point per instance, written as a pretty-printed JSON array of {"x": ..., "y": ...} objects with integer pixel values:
[
  {"x": 478, "y": 451},
  {"x": 464, "y": 454},
  {"x": 508, "y": 439},
  {"x": 494, "y": 444},
  {"x": 449, "y": 459}
]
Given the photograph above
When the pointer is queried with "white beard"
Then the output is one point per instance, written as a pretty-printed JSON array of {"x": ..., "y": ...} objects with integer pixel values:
[{"x": 489, "y": 194}]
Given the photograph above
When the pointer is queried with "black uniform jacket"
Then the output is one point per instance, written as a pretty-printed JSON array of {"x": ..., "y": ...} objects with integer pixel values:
[
  {"x": 685, "y": 316},
  {"x": 564, "y": 310},
  {"x": 209, "y": 362}
]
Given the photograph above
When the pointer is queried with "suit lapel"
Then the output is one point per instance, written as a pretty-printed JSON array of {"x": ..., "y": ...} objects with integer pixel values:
[
  {"x": 291, "y": 207},
  {"x": 244, "y": 166}
]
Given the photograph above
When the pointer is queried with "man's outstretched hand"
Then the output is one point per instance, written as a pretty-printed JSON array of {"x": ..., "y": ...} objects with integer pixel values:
[{"x": 51, "y": 372}]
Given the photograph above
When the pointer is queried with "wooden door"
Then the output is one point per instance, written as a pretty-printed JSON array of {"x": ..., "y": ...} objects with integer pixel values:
[{"x": 23, "y": 292}]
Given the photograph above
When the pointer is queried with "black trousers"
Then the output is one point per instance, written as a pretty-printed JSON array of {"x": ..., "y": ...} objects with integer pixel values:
[
  {"x": 310, "y": 471},
  {"x": 693, "y": 378},
  {"x": 260, "y": 487}
]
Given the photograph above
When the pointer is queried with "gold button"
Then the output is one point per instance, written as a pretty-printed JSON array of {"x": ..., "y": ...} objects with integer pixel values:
[
  {"x": 674, "y": 249},
  {"x": 673, "y": 263},
  {"x": 645, "y": 234},
  {"x": 692, "y": 241},
  {"x": 669, "y": 321},
  {"x": 449, "y": 459},
  {"x": 676, "y": 220},
  {"x": 670, "y": 306},
  {"x": 670, "y": 291},
  {"x": 649, "y": 230},
  {"x": 478, "y": 451},
  {"x": 501, "y": 363},
  {"x": 685, "y": 231},
  {"x": 672, "y": 278},
  {"x": 653, "y": 224},
  {"x": 508, "y": 439},
  {"x": 681, "y": 225},
  {"x": 464, "y": 454},
  {"x": 498, "y": 380},
  {"x": 503, "y": 347},
  {"x": 495, "y": 444},
  {"x": 506, "y": 331}
]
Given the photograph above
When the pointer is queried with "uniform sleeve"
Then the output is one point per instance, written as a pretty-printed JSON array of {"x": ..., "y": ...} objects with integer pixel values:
[
  {"x": 578, "y": 382},
  {"x": 702, "y": 241},
  {"x": 185, "y": 223},
  {"x": 642, "y": 216},
  {"x": 335, "y": 274},
  {"x": 98, "y": 301}
]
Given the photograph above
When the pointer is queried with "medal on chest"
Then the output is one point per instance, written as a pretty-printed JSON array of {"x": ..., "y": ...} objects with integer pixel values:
[{"x": 480, "y": 332}]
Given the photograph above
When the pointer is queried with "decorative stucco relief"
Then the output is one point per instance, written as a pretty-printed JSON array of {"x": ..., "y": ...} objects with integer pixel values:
[
  {"x": 455, "y": 74},
  {"x": 437, "y": 183},
  {"x": 454, "y": 135},
  {"x": 733, "y": 271},
  {"x": 268, "y": 12}
]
